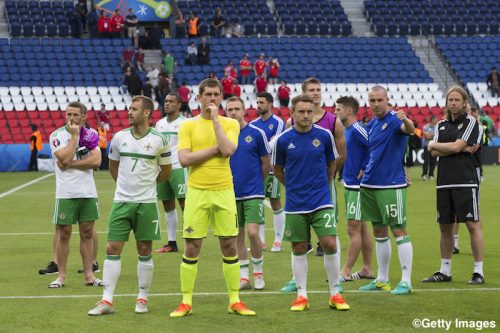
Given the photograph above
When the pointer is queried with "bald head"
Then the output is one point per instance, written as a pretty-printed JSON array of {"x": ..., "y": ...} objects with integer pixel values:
[{"x": 379, "y": 89}]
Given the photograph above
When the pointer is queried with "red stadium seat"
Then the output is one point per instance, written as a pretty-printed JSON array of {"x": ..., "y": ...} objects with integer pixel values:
[
  {"x": 252, "y": 113},
  {"x": 285, "y": 112},
  {"x": 3, "y": 123}
]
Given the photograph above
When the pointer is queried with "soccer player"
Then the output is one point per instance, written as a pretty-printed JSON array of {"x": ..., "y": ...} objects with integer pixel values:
[
  {"x": 250, "y": 165},
  {"x": 175, "y": 187},
  {"x": 139, "y": 157},
  {"x": 76, "y": 151},
  {"x": 383, "y": 189},
  {"x": 455, "y": 141},
  {"x": 312, "y": 88},
  {"x": 206, "y": 143},
  {"x": 272, "y": 125},
  {"x": 356, "y": 139},
  {"x": 304, "y": 161}
]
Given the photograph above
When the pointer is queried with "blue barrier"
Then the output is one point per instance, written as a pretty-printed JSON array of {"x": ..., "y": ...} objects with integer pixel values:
[{"x": 16, "y": 157}]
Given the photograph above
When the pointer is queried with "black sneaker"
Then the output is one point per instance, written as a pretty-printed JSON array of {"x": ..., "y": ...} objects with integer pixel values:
[
  {"x": 95, "y": 268},
  {"x": 319, "y": 250},
  {"x": 456, "y": 250},
  {"x": 438, "y": 277},
  {"x": 50, "y": 269},
  {"x": 476, "y": 279}
]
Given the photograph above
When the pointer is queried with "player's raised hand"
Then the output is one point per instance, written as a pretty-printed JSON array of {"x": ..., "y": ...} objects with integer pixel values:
[
  {"x": 73, "y": 128},
  {"x": 212, "y": 110},
  {"x": 401, "y": 115}
]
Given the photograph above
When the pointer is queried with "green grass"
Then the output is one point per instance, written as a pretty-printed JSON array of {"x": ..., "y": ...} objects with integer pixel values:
[{"x": 25, "y": 246}]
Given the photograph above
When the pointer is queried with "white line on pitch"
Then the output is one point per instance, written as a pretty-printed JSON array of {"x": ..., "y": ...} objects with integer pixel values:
[
  {"x": 452, "y": 290},
  {"x": 4, "y": 194}
]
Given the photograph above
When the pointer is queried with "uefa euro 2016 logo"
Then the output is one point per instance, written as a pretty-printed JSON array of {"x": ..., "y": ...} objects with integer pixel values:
[{"x": 145, "y": 10}]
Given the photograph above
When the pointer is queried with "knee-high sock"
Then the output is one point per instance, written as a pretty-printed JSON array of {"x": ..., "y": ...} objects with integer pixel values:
[
  {"x": 112, "y": 268},
  {"x": 405, "y": 252},
  {"x": 258, "y": 264},
  {"x": 279, "y": 225},
  {"x": 332, "y": 267},
  {"x": 244, "y": 274},
  {"x": 231, "y": 269},
  {"x": 300, "y": 268},
  {"x": 172, "y": 221},
  {"x": 384, "y": 251},
  {"x": 145, "y": 269},
  {"x": 189, "y": 269},
  {"x": 337, "y": 254}
]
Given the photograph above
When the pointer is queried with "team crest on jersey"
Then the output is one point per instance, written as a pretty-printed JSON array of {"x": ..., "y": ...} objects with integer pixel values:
[
  {"x": 460, "y": 126},
  {"x": 189, "y": 230},
  {"x": 56, "y": 143},
  {"x": 316, "y": 143},
  {"x": 384, "y": 126},
  {"x": 248, "y": 139},
  {"x": 148, "y": 146},
  {"x": 271, "y": 126},
  {"x": 62, "y": 216}
]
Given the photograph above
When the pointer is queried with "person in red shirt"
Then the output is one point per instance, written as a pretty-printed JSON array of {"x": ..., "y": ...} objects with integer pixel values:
[
  {"x": 236, "y": 89},
  {"x": 245, "y": 68},
  {"x": 227, "y": 83},
  {"x": 117, "y": 22},
  {"x": 284, "y": 94},
  {"x": 260, "y": 83},
  {"x": 274, "y": 66},
  {"x": 128, "y": 58},
  {"x": 104, "y": 25},
  {"x": 233, "y": 72},
  {"x": 184, "y": 94},
  {"x": 260, "y": 66},
  {"x": 139, "y": 60}
]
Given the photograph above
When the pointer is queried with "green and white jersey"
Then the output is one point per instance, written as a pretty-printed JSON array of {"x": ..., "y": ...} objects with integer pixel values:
[
  {"x": 170, "y": 131},
  {"x": 140, "y": 160},
  {"x": 71, "y": 183}
]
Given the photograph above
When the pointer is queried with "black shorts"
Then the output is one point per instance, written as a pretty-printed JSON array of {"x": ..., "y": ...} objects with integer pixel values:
[{"x": 457, "y": 205}]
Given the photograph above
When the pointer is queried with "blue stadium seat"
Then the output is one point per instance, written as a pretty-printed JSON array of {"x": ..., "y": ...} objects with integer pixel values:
[
  {"x": 28, "y": 30},
  {"x": 39, "y": 30}
]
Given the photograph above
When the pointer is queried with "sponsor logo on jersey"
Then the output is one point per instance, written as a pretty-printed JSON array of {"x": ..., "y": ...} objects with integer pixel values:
[
  {"x": 248, "y": 139},
  {"x": 291, "y": 146},
  {"x": 441, "y": 128},
  {"x": 56, "y": 143},
  {"x": 288, "y": 232},
  {"x": 189, "y": 230},
  {"x": 469, "y": 215},
  {"x": 316, "y": 143},
  {"x": 384, "y": 126},
  {"x": 460, "y": 126},
  {"x": 124, "y": 144},
  {"x": 62, "y": 216}
]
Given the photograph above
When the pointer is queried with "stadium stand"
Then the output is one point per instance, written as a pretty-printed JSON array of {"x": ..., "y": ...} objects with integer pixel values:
[
  {"x": 435, "y": 17},
  {"x": 39, "y": 18},
  {"x": 255, "y": 16},
  {"x": 321, "y": 17},
  {"x": 472, "y": 58}
]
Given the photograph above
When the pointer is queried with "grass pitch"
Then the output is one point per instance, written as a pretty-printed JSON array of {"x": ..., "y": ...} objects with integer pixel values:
[{"x": 29, "y": 306}]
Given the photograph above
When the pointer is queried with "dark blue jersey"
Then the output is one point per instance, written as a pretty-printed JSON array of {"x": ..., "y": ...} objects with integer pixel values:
[
  {"x": 305, "y": 157},
  {"x": 246, "y": 165},
  {"x": 387, "y": 144},
  {"x": 356, "y": 141}
]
